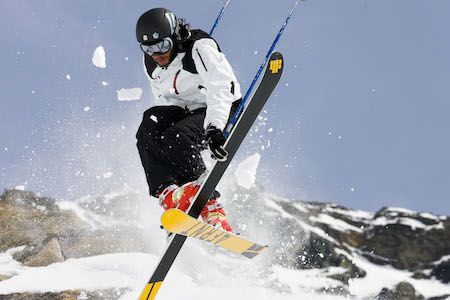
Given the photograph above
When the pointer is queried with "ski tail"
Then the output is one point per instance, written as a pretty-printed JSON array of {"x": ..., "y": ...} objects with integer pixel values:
[{"x": 150, "y": 291}]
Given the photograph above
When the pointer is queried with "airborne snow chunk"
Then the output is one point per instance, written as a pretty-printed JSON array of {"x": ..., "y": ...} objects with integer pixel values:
[
  {"x": 129, "y": 94},
  {"x": 246, "y": 171},
  {"x": 107, "y": 175},
  {"x": 98, "y": 58}
]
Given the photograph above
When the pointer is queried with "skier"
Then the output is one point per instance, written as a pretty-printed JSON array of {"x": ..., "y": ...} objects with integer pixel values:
[{"x": 196, "y": 93}]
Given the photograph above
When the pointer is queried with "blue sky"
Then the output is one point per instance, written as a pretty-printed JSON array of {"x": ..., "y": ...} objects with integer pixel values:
[{"x": 360, "y": 117}]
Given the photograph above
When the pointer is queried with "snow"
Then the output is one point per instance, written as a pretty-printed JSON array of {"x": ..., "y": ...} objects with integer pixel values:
[
  {"x": 317, "y": 231},
  {"x": 86, "y": 108},
  {"x": 98, "y": 58},
  {"x": 354, "y": 214},
  {"x": 334, "y": 223},
  {"x": 278, "y": 209},
  {"x": 401, "y": 210},
  {"x": 246, "y": 171},
  {"x": 107, "y": 175},
  {"x": 442, "y": 259},
  {"x": 20, "y": 188},
  {"x": 104, "y": 83},
  {"x": 379, "y": 277},
  {"x": 85, "y": 273},
  {"x": 300, "y": 207},
  {"x": 131, "y": 94},
  {"x": 131, "y": 271},
  {"x": 429, "y": 216},
  {"x": 67, "y": 76},
  {"x": 413, "y": 223},
  {"x": 305, "y": 279},
  {"x": 8, "y": 266}
]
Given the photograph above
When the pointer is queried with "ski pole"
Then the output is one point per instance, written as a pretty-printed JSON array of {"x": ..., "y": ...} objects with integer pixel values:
[
  {"x": 219, "y": 17},
  {"x": 258, "y": 74}
]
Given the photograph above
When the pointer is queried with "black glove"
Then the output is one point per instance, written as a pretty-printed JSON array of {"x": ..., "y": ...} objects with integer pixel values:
[{"x": 216, "y": 140}]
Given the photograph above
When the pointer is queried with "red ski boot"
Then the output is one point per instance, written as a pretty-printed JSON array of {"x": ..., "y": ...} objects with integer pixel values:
[
  {"x": 181, "y": 198},
  {"x": 214, "y": 215},
  {"x": 174, "y": 196}
]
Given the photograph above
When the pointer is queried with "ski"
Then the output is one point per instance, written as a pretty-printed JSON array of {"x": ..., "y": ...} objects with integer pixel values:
[
  {"x": 177, "y": 221},
  {"x": 272, "y": 74}
]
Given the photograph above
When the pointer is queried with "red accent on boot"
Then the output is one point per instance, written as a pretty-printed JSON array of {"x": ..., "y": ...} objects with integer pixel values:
[
  {"x": 165, "y": 198},
  {"x": 185, "y": 194},
  {"x": 179, "y": 197},
  {"x": 214, "y": 215}
]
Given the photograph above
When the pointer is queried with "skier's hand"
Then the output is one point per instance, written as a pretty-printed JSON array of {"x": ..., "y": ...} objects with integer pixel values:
[{"x": 216, "y": 140}]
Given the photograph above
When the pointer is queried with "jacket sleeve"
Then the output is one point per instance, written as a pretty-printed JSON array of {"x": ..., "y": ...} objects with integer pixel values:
[{"x": 218, "y": 78}]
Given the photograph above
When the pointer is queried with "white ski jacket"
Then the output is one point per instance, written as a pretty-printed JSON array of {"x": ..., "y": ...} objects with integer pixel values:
[{"x": 214, "y": 87}]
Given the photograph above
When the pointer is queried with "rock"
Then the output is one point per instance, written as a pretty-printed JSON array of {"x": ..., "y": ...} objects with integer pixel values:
[
  {"x": 27, "y": 199},
  {"x": 111, "y": 294},
  {"x": 25, "y": 219},
  {"x": 335, "y": 290},
  {"x": 50, "y": 253},
  {"x": 442, "y": 271},
  {"x": 320, "y": 253},
  {"x": 4, "y": 277},
  {"x": 385, "y": 294},
  {"x": 402, "y": 291},
  {"x": 406, "y": 240}
]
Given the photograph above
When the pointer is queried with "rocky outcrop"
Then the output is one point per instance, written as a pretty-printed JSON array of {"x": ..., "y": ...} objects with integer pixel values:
[
  {"x": 52, "y": 234},
  {"x": 396, "y": 237},
  {"x": 42, "y": 254},
  {"x": 407, "y": 240},
  {"x": 111, "y": 294},
  {"x": 26, "y": 219}
]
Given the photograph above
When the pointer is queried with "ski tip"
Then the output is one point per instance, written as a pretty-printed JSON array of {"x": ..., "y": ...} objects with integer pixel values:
[
  {"x": 275, "y": 63},
  {"x": 171, "y": 218}
]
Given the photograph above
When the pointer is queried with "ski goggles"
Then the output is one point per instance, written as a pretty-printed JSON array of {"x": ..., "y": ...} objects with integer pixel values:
[{"x": 160, "y": 47}]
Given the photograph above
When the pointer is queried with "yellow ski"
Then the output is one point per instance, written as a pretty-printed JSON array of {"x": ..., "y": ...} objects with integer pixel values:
[{"x": 176, "y": 221}]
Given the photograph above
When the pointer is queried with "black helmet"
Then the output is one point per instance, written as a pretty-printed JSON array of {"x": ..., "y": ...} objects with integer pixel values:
[{"x": 156, "y": 24}]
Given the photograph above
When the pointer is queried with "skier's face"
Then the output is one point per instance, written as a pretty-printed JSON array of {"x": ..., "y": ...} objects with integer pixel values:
[{"x": 163, "y": 59}]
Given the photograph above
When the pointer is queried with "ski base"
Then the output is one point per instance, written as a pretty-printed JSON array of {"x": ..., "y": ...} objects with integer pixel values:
[{"x": 177, "y": 221}]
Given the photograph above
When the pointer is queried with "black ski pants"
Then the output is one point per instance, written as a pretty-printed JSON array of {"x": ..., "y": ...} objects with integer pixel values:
[{"x": 169, "y": 141}]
